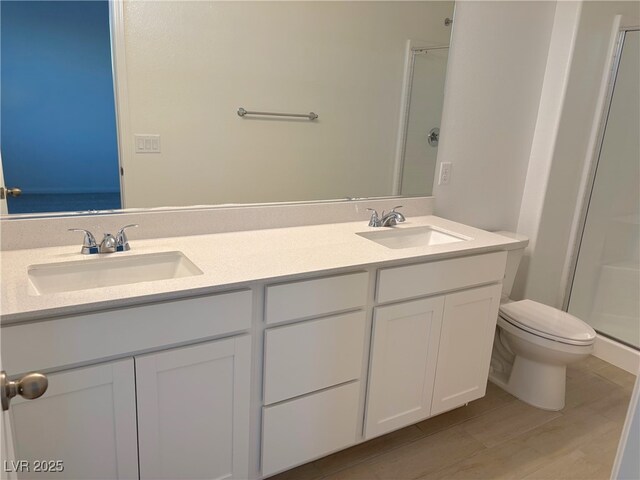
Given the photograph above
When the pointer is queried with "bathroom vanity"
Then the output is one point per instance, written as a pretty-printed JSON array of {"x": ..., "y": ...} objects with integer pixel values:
[{"x": 290, "y": 344}]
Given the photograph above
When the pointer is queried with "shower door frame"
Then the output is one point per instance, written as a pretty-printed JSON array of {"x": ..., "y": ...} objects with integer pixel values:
[
  {"x": 592, "y": 169},
  {"x": 413, "y": 48}
]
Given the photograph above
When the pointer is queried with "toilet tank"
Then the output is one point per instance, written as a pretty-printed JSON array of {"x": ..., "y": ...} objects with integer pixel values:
[{"x": 514, "y": 255}]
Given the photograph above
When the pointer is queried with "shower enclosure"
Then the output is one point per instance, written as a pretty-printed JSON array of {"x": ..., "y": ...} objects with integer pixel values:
[{"x": 605, "y": 291}]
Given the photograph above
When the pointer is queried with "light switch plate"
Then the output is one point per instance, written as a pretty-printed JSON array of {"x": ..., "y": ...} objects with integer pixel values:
[{"x": 147, "y": 143}]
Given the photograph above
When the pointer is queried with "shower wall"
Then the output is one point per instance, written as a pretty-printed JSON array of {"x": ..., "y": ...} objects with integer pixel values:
[{"x": 606, "y": 285}]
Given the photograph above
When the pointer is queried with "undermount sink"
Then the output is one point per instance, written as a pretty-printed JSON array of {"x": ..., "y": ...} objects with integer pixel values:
[
  {"x": 108, "y": 272},
  {"x": 412, "y": 237}
]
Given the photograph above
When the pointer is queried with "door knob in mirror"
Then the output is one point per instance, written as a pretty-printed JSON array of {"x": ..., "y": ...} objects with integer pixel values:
[{"x": 6, "y": 192}]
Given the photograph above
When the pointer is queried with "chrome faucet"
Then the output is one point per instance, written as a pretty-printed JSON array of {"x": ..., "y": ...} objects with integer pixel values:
[
  {"x": 386, "y": 220},
  {"x": 392, "y": 218},
  {"x": 109, "y": 244}
]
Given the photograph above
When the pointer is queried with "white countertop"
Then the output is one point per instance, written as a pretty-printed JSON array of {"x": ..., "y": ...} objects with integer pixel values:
[{"x": 228, "y": 260}]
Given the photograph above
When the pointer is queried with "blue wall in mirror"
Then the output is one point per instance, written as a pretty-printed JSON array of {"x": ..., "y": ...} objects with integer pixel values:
[{"x": 58, "y": 131}]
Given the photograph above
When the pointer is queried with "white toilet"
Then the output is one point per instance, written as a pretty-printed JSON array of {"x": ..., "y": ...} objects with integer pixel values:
[{"x": 534, "y": 343}]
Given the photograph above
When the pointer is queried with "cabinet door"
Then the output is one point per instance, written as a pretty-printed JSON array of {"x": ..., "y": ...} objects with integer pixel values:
[
  {"x": 86, "y": 420},
  {"x": 466, "y": 340},
  {"x": 7, "y": 456},
  {"x": 403, "y": 363},
  {"x": 193, "y": 411}
]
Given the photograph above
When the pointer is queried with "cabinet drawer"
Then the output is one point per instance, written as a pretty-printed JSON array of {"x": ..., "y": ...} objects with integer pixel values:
[
  {"x": 319, "y": 296},
  {"x": 312, "y": 355},
  {"x": 309, "y": 427},
  {"x": 83, "y": 338},
  {"x": 412, "y": 281}
]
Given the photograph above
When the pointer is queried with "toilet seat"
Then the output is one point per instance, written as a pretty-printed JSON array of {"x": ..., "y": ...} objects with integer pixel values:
[{"x": 547, "y": 322}]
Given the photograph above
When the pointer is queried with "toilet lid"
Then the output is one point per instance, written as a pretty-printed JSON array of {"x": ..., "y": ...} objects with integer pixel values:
[{"x": 548, "y": 322}]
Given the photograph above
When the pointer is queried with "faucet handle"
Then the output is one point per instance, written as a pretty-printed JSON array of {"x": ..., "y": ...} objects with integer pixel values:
[
  {"x": 121, "y": 237},
  {"x": 375, "y": 220},
  {"x": 89, "y": 244},
  {"x": 89, "y": 239},
  {"x": 399, "y": 216}
]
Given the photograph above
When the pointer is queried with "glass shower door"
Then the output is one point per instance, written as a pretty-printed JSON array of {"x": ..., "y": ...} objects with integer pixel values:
[
  {"x": 422, "y": 129},
  {"x": 606, "y": 284}
]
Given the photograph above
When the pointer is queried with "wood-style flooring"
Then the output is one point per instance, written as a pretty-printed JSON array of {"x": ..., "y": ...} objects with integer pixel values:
[{"x": 498, "y": 437}]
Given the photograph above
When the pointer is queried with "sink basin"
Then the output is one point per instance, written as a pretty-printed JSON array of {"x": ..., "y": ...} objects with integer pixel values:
[
  {"x": 413, "y": 237},
  {"x": 110, "y": 271}
]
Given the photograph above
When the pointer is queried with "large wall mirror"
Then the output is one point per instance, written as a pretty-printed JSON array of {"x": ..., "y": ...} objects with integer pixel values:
[{"x": 136, "y": 104}]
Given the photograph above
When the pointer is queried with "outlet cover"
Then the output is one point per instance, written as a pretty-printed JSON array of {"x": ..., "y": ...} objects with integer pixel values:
[{"x": 445, "y": 173}]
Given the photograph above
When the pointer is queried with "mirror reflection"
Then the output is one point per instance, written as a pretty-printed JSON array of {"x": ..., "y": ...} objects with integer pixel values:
[{"x": 144, "y": 111}]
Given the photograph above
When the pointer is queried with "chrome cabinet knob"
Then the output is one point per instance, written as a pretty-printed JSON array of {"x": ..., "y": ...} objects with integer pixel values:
[{"x": 32, "y": 385}]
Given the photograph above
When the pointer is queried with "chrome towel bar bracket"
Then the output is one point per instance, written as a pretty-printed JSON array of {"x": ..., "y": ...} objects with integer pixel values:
[{"x": 311, "y": 116}]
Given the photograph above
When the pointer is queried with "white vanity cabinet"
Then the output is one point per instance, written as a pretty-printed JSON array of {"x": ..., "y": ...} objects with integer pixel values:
[
  {"x": 226, "y": 386},
  {"x": 431, "y": 355},
  {"x": 191, "y": 403},
  {"x": 176, "y": 412}
]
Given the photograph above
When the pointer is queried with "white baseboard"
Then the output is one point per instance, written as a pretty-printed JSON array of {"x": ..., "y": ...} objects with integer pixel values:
[{"x": 617, "y": 354}]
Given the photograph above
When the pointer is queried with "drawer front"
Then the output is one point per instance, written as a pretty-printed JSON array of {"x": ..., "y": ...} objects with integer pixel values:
[
  {"x": 319, "y": 296},
  {"x": 312, "y": 355},
  {"x": 331, "y": 416},
  {"x": 398, "y": 283},
  {"x": 84, "y": 338}
]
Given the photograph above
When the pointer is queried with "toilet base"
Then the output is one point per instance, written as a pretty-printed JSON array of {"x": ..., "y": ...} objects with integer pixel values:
[
  {"x": 538, "y": 384},
  {"x": 538, "y": 366}
]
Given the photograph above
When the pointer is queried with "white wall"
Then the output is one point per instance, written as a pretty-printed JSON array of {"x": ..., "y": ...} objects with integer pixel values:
[
  {"x": 554, "y": 88},
  {"x": 190, "y": 65},
  {"x": 496, "y": 68},
  {"x": 557, "y": 188}
]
